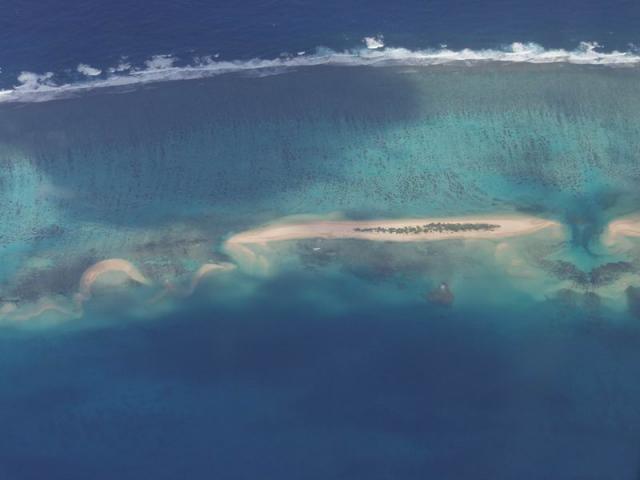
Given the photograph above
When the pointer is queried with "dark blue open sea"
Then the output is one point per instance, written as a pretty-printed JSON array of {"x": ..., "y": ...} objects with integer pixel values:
[{"x": 206, "y": 210}]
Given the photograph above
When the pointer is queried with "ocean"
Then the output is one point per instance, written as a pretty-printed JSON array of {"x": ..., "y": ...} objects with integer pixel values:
[{"x": 199, "y": 277}]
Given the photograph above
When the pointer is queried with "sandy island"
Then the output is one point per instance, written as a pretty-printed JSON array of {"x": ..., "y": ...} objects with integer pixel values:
[
  {"x": 406, "y": 230},
  {"x": 239, "y": 246}
]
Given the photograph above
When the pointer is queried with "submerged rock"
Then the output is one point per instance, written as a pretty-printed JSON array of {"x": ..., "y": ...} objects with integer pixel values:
[
  {"x": 589, "y": 301},
  {"x": 600, "y": 276},
  {"x": 609, "y": 273},
  {"x": 441, "y": 295}
]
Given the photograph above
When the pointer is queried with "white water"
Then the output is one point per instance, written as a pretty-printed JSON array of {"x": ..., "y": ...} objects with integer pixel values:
[{"x": 35, "y": 87}]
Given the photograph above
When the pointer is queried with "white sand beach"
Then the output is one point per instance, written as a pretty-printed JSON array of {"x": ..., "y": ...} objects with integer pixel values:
[{"x": 502, "y": 226}]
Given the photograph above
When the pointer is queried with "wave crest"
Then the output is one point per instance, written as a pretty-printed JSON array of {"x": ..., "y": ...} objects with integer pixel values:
[{"x": 34, "y": 87}]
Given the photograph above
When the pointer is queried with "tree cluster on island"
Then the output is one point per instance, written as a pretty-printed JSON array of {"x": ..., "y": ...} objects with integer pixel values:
[{"x": 437, "y": 227}]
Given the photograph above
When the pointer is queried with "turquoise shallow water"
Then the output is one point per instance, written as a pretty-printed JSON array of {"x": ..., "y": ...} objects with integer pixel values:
[
  {"x": 181, "y": 166},
  {"x": 336, "y": 361}
]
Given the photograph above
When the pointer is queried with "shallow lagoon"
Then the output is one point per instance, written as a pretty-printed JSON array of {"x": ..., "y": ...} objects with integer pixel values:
[
  {"x": 334, "y": 351},
  {"x": 164, "y": 174}
]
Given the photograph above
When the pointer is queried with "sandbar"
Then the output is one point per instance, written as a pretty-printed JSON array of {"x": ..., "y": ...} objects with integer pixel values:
[{"x": 105, "y": 266}]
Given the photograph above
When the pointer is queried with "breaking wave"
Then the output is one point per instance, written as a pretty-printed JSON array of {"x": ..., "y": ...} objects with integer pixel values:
[{"x": 34, "y": 87}]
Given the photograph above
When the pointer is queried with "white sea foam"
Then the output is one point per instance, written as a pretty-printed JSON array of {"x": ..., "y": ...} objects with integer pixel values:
[
  {"x": 374, "y": 43},
  {"x": 88, "y": 70},
  {"x": 33, "y": 81},
  {"x": 160, "y": 62},
  {"x": 121, "y": 67},
  {"x": 33, "y": 87}
]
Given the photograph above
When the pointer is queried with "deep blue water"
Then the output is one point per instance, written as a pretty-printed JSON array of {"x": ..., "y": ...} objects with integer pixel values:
[
  {"x": 334, "y": 365},
  {"x": 277, "y": 389}
]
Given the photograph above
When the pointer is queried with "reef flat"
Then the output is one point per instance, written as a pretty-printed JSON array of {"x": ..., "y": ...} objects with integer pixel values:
[{"x": 537, "y": 161}]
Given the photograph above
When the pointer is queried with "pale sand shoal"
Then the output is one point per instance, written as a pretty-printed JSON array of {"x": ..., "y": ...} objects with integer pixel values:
[
  {"x": 45, "y": 308},
  {"x": 111, "y": 265},
  {"x": 626, "y": 226},
  {"x": 90, "y": 276},
  {"x": 509, "y": 226},
  {"x": 207, "y": 269}
]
